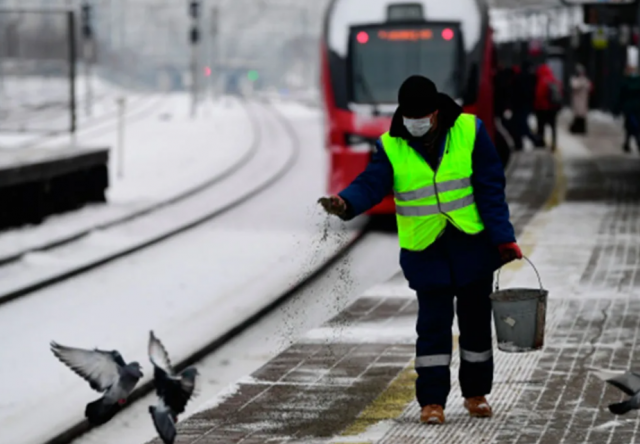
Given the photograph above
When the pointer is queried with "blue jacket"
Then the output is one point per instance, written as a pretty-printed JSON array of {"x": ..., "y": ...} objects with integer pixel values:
[{"x": 455, "y": 258}]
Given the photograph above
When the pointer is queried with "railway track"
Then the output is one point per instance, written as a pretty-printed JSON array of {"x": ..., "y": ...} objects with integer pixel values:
[
  {"x": 168, "y": 218},
  {"x": 8, "y": 257}
]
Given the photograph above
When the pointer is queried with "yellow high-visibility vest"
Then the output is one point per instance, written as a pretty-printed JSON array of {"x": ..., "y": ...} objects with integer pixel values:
[{"x": 426, "y": 199}]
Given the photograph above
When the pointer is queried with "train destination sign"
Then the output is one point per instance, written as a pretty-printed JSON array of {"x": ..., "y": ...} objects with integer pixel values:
[{"x": 406, "y": 34}]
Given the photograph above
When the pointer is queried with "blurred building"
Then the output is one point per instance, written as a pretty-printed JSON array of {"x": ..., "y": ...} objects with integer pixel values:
[{"x": 146, "y": 43}]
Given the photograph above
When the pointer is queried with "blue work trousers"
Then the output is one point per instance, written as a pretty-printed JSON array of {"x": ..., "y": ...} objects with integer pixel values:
[{"x": 435, "y": 342}]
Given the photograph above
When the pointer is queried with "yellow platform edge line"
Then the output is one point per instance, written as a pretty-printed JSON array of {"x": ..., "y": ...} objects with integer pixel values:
[
  {"x": 559, "y": 192},
  {"x": 390, "y": 404}
]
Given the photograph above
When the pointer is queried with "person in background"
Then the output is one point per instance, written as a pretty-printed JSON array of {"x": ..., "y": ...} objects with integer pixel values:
[
  {"x": 453, "y": 229},
  {"x": 503, "y": 101},
  {"x": 524, "y": 94},
  {"x": 580, "y": 90},
  {"x": 548, "y": 102},
  {"x": 629, "y": 106},
  {"x": 503, "y": 139}
]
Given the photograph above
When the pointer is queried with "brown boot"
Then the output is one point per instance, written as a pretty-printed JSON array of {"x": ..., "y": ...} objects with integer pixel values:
[
  {"x": 432, "y": 414},
  {"x": 478, "y": 407}
]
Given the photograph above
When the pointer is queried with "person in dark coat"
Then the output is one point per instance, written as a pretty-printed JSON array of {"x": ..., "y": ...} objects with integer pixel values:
[
  {"x": 428, "y": 130},
  {"x": 629, "y": 105},
  {"x": 503, "y": 84},
  {"x": 502, "y": 89},
  {"x": 524, "y": 93}
]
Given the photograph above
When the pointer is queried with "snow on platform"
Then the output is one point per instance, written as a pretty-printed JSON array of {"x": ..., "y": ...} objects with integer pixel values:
[{"x": 351, "y": 380}]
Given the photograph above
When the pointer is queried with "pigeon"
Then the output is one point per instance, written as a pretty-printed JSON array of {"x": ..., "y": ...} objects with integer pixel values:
[
  {"x": 174, "y": 391},
  {"x": 106, "y": 372},
  {"x": 628, "y": 382}
]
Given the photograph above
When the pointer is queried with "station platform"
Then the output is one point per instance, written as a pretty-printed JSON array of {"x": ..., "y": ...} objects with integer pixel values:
[
  {"x": 38, "y": 182},
  {"x": 577, "y": 215}
]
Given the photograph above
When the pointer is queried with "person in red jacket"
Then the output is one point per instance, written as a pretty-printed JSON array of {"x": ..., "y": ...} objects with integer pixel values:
[{"x": 548, "y": 101}]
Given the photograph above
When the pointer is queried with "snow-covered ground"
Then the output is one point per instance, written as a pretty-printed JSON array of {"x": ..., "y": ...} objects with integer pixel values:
[
  {"x": 165, "y": 154},
  {"x": 370, "y": 262},
  {"x": 189, "y": 290},
  {"x": 271, "y": 159}
]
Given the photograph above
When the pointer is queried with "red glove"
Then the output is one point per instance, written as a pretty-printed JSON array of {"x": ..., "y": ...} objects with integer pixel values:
[{"x": 509, "y": 252}]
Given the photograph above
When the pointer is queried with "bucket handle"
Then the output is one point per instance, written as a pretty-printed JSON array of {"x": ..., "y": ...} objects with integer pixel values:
[{"x": 497, "y": 287}]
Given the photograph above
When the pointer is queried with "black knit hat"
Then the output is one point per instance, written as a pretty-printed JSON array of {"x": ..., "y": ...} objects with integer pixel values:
[{"x": 418, "y": 97}]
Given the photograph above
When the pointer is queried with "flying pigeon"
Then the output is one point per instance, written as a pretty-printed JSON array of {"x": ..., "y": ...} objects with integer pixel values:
[
  {"x": 174, "y": 391},
  {"x": 628, "y": 382},
  {"x": 106, "y": 372}
]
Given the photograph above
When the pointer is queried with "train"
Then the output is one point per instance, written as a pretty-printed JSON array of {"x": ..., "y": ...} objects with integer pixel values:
[{"x": 369, "y": 47}]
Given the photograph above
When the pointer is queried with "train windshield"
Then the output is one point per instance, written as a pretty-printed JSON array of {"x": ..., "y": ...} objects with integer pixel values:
[{"x": 382, "y": 57}]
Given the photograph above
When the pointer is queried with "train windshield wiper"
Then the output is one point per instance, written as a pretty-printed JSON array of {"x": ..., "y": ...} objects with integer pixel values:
[{"x": 362, "y": 82}]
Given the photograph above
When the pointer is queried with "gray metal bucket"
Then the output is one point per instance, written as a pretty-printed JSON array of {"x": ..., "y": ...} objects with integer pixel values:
[{"x": 519, "y": 315}]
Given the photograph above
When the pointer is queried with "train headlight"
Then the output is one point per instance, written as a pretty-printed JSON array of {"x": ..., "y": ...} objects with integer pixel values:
[
  {"x": 447, "y": 34},
  {"x": 362, "y": 37}
]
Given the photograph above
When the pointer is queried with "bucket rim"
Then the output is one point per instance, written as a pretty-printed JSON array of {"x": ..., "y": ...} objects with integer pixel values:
[
  {"x": 520, "y": 288},
  {"x": 533, "y": 294}
]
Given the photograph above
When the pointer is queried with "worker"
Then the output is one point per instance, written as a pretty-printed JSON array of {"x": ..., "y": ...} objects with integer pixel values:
[{"x": 454, "y": 232}]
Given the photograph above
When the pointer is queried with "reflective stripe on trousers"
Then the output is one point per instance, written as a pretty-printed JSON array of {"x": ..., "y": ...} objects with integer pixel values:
[
  {"x": 430, "y": 210},
  {"x": 475, "y": 357},
  {"x": 433, "y": 361}
]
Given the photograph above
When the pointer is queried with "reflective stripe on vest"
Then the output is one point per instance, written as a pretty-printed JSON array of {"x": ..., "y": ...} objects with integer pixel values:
[
  {"x": 430, "y": 190},
  {"x": 426, "y": 199},
  {"x": 428, "y": 210}
]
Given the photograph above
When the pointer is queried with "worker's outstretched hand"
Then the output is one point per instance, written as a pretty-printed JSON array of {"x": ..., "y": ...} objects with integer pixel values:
[
  {"x": 333, "y": 205},
  {"x": 509, "y": 252}
]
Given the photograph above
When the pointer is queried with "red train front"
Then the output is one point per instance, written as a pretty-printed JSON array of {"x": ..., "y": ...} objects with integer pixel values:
[{"x": 371, "y": 46}]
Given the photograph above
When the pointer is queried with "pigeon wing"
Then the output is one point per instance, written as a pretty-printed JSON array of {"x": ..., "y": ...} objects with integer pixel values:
[
  {"x": 628, "y": 382},
  {"x": 173, "y": 393},
  {"x": 158, "y": 354},
  {"x": 163, "y": 422},
  {"x": 160, "y": 380},
  {"x": 98, "y": 367}
]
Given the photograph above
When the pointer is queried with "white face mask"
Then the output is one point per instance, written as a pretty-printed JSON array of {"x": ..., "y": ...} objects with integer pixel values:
[{"x": 418, "y": 127}]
